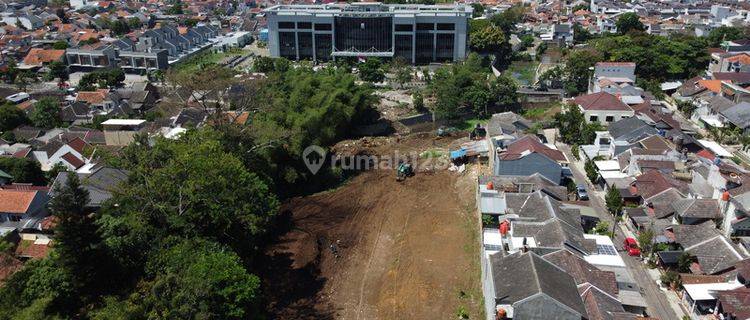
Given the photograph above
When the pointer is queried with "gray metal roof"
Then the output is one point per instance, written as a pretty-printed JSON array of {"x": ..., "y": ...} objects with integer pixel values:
[{"x": 522, "y": 275}]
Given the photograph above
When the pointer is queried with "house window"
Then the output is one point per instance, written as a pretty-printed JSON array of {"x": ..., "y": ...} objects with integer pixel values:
[
  {"x": 14, "y": 217},
  {"x": 286, "y": 25},
  {"x": 446, "y": 26},
  {"x": 304, "y": 25},
  {"x": 425, "y": 26},
  {"x": 404, "y": 27},
  {"x": 323, "y": 26},
  {"x": 593, "y": 118},
  {"x": 609, "y": 118}
]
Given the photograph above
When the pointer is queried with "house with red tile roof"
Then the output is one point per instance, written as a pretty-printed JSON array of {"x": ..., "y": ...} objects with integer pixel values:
[
  {"x": 528, "y": 155},
  {"x": 22, "y": 208},
  {"x": 68, "y": 153},
  {"x": 603, "y": 107},
  {"x": 38, "y": 57},
  {"x": 33, "y": 246}
]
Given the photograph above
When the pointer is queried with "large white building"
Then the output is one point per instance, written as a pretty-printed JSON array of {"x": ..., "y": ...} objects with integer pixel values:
[{"x": 418, "y": 33}]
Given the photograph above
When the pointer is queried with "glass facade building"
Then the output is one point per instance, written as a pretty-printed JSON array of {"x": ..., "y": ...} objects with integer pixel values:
[{"x": 417, "y": 33}]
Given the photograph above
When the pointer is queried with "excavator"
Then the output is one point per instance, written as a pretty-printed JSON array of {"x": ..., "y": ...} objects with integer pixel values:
[{"x": 403, "y": 171}]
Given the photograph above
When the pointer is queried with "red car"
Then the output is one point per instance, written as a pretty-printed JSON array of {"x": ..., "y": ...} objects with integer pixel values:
[{"x": 631, "y": 246}]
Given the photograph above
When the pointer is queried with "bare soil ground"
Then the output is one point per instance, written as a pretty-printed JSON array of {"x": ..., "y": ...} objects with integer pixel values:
[{"x": 407, "y": 250}]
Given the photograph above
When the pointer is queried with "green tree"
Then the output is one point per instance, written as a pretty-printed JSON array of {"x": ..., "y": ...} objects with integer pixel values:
[
  {"x": 684, "y": 261},
  {"x": 77, "y": 241},
  {"x": 503, "y": 92},
  {"x": 176, "y": 8},
  {"x": 60, "y": 45},
  {"x": 58, "y": 70},
  {"x": 646, "y": 241},
  {"x": 11, "y": 117},
  {"x": 371, "y": 70},
  {"x": 23, "y": 170},
  {"x": 40, "y": 290},
  {"x": 602, "y": 228},
  {"x": 489, "y": 38},
  {"x": 134, "y": 23},
  {"x": 418, "y": 101},
  {"x": 188, "y": 202},
  {"x": 478, "y": 9},
  {"x": 46, "y": 113},
  {"x": 657, "y": 58},
  {"x": 11, "y": 71},
  {"x": 581, "y": 34},
  {"x": 508, "y": 19},
  {"x": 22, "y": 80},
  {"x": 263, "y": 64},
  {"x": 671, "y": 279},
  {"x": 629, "y": 22},
  {"x": 478, "y": 98},
  {"x": 119, "y": 27},
  {"x": 577, "y": 70},
  {"x": 571, "y": 124},
  {"x": 724, "y": 33},
  {"x": 591, "y": 171},
  {"x": 55, "y": 170},
  {"x": 188, "y": 285},
  {"x": 402, "y": 70},
  {"x": 614, "y": 201}
]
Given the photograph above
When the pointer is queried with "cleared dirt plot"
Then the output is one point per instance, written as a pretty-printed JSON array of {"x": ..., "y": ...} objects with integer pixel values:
[{"x": 402, "y": 250}]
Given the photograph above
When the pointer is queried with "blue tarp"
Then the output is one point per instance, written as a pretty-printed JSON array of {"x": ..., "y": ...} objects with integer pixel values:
[{"x": 458, "y": 153}]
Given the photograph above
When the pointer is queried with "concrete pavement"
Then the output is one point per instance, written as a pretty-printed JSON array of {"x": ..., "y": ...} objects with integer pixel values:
[{"x": 658, "y": 304}]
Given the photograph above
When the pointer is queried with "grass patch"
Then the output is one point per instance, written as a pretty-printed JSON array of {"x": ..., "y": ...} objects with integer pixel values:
[
  {"x": 522, "y": 71},
  {"x": 432, "y": 153},
  {"x": 470, "y": 124},
  {"x": 541, "y": 112},
  {"x": 196, "y": 62}
]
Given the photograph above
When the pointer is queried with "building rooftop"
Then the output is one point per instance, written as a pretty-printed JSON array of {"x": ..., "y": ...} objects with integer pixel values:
[
  {"x": 372, "y": 8},
  {"x": 123, "y": 122}
]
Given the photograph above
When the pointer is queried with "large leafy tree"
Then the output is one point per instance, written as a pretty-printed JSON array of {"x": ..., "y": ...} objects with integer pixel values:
[
  {"x": 629, "y": 22},
  {"x": 193, "y": 188},
  {"x": 657, "y": 58},
  {"x": 371, "y": 70},
  {"x": 11, "y": 117},
  {"x": 23, "y": 170},
  {"x": 46, "y": 113},
  {"x": 614, "y": 201},
  {"x": 573, "y": 127},
  {"x": 724, "y": 33},
  {"x": 77, "y": 241},
  {"x": 508, "y": 19},
  {"x": 578, "y": 70},
  {"x": 187, "y": 285},
  {"x": 40, "y": 290},
  {"x": 58, "y": 70},
  {"x": 486, "y": 38}
]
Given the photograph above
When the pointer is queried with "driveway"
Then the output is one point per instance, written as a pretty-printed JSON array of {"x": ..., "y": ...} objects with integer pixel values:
[{"x": 658, "y": 304}]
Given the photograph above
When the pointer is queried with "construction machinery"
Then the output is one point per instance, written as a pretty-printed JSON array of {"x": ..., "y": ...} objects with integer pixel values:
[{"x": 403, "y": 171}]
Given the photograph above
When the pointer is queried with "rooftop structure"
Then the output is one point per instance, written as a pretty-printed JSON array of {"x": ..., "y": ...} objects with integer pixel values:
[{"x": 417, "y": 33}]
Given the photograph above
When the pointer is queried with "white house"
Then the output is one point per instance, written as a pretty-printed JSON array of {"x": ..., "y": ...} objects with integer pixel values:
[
  {"x": 69, "y": 154},
  {"x": 603, "y": 107}
]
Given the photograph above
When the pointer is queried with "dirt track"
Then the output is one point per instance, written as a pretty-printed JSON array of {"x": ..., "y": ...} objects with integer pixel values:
[{"x": 407, "y": 251}]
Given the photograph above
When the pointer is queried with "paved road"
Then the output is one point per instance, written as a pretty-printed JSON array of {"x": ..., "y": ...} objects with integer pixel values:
[{"x": 658, "y": 305}]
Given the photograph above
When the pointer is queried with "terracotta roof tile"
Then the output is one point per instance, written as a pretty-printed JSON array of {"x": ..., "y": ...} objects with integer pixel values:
[
  {"x": 712, "y": 85},
  {"x": 92, "y": 97},
  {"x": 531, "y": 144},
  {"x": 16, "y": 201},
  {"x": 73, "y": 160},
  {"x": 38, "y": 56},
  {"x": 29, "y": 249},
  {"x": 601, "y": 101}
]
